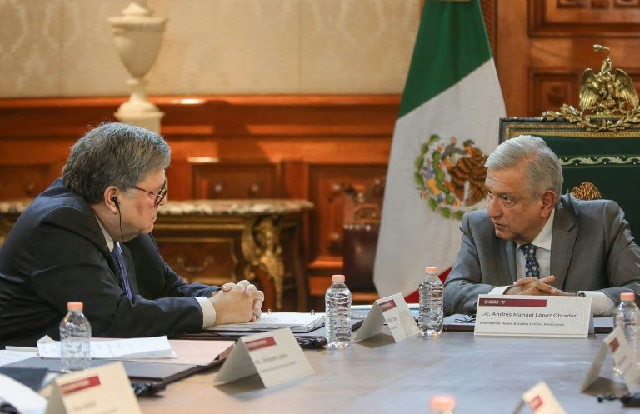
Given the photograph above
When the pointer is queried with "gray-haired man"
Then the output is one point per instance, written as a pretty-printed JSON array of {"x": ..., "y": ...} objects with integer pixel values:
[{"x": 86, "y": 238}]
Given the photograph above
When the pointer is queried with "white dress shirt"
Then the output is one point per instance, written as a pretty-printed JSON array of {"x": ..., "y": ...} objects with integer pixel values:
[
  {"x": 601, "y": 304},
  {"x": 208, "y": 311}
]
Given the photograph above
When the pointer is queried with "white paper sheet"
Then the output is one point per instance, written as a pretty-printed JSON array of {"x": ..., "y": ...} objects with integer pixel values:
[{"x": 152, "y": 347}]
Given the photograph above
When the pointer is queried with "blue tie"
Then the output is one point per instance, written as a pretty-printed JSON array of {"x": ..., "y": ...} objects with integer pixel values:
[
  {"x": 124, "y": 280},
  {"x": 531, "y": 267}
]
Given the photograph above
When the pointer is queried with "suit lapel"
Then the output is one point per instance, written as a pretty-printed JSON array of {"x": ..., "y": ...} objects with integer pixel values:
[
  {"x": 564, "y": 236},
  {"x": 511, "y": 261},
  {"x": 506, "y": 254}
]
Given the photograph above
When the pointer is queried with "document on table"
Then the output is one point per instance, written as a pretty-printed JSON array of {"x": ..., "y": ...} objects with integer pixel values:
[
  {"x": 9, "y": 357},
  {"x": 298, "y": 322},
  {"x": 151, "y": 347}
]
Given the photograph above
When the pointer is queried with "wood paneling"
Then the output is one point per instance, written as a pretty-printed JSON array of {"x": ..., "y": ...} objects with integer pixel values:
[
  {"x": 604, "y": 18},
  {"x": 543, "y": 46},
  {"x": 217, "y": 180}
]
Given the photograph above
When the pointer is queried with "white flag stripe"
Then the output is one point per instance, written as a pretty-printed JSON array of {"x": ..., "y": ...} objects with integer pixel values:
[{"x": 412, "y": 236}]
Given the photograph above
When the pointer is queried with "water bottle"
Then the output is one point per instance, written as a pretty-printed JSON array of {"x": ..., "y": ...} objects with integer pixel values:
[
  {"x": 75, "y": 338},
  {"x": 431, "y": 311},
  {"x": 442, "y": 404},
  {"x": 338, "y": 313},
  {"x": 626, "y": 316}
]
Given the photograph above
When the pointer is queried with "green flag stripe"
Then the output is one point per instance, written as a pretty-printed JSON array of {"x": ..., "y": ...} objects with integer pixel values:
[{"x": 451, "y": 43}]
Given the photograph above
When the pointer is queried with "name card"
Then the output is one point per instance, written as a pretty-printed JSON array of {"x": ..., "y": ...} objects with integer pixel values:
[
  {"x": 553, "y": 316},
  {"x": 105, "y": 389},
  {"x": 623, "y": 357},
  {"x": 23, "y": 398},
  {"x": 393, "y": 311},
  {"x": 542, "y": 401},
  {"x": 275, "y": 356}
]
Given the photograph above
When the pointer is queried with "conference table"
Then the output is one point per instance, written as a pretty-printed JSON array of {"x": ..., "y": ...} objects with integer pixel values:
[{"x": 484, "y": 374}]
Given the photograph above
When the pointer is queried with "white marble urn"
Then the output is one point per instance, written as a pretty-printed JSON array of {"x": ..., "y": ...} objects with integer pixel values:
[{"x": 138, "y": 35}]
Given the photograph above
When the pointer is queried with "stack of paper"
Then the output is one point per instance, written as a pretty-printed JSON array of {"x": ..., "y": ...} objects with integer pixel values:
[
  {"x": 296, "y": 321},
  {"x": 152, "y": 347}
]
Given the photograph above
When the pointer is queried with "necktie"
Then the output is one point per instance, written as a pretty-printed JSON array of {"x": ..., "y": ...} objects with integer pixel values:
[
  {"x": 532, "y": 269},
  {"x": 124, "y": 280}
]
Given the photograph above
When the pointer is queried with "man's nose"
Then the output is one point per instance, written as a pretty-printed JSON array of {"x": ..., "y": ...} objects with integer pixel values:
[{"x": 494, "y": 208}]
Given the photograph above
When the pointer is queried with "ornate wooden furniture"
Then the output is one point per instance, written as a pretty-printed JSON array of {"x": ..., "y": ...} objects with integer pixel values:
[{"x": 215, "y": 242}]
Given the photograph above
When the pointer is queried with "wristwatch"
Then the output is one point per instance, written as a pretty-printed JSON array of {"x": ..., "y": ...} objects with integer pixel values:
[{"x": 581, "y": 294}]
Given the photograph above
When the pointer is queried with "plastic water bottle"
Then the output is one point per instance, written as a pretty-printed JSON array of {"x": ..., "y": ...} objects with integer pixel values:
[
  {"x": 75, "y": 338},
  {"x": 442, "y": 404},
  {"x": 627, "y": 317},
  {"x": 431, "y": 311},
  {"x": 338, "y": 313}
]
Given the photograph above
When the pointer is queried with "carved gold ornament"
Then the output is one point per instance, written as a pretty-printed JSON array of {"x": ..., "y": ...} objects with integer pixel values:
[
  {"x": 608, "y": 100},
  {"x": 586, "y": 191}
]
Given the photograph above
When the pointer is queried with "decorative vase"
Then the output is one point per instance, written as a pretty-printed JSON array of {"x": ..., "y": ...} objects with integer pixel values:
[{"x": 138, "y": 36}]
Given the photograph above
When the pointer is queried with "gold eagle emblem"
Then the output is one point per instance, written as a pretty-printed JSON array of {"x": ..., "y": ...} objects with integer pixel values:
[
  {"x": 608, "y": 92},
  {"x": 608, "y": 100}
]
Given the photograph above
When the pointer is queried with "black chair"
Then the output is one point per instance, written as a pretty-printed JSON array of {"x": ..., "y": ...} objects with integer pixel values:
[{"x": 360, "y": 239}]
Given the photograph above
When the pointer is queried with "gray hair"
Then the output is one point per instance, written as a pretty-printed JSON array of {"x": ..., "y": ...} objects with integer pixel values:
[
  {"x": 113, "y": 154},
  {"x": 544, "y": 171}
]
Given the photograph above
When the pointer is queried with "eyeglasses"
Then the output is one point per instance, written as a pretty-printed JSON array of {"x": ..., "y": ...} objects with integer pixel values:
[{"x": 162, "y": 195}]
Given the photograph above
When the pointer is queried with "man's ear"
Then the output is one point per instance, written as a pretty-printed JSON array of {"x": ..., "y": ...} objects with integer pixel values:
[
  {"x": 111, "y": 200},
  {"x": 549, "y": 201}
]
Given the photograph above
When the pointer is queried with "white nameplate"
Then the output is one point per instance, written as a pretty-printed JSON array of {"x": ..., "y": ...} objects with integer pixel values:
[
  {"x": 105, "y": 389},
  {"x": 20, "y": 396},
  {"x": 275, "y": 356},
  {"x": 542, "y": 401},
  {"x": 622, "y": 357},
  {"x": 553, "y": 316},
  {"x": 393, "y": 311}
]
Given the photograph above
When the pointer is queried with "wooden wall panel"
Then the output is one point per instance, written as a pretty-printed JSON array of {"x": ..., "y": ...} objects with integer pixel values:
[
  {"x": 216, "y": 180},
  {"x": 604, "y": 18},
  {"x": 543, "y": 46},
  {"x": 550, "y": 88},
  {"x": 26, "y": 180}
]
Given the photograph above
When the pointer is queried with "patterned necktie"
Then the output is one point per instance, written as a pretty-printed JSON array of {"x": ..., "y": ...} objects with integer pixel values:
[
  {"x": 119, "y": 258},
  {"x": 532, "y": 269}
]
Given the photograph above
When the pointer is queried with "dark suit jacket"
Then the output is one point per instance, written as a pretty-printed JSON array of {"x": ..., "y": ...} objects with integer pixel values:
[
  {"x": 56, "y": 253},
  {"x": 592, "y": 249}
]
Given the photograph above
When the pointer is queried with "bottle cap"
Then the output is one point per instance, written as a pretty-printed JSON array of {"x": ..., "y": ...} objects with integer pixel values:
[
  {"x": 442, "y": 403},
  {"x": 74, "y": 306},
  {"x": 337, "y": 278},
  {"x": 624, "y": 296},
  {"x": 431, "y": 269}
]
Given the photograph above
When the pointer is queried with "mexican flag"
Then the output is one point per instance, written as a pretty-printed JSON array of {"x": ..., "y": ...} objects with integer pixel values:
[{"x": 447, "y": 125}]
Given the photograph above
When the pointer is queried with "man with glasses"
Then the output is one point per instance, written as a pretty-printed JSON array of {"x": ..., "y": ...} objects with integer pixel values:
[
  {"x": 87, "y": 238},
  {"x": 533, "y": 241}
]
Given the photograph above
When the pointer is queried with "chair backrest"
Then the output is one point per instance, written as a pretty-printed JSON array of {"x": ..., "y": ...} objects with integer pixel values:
[{"x": 361, "y": 224}]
